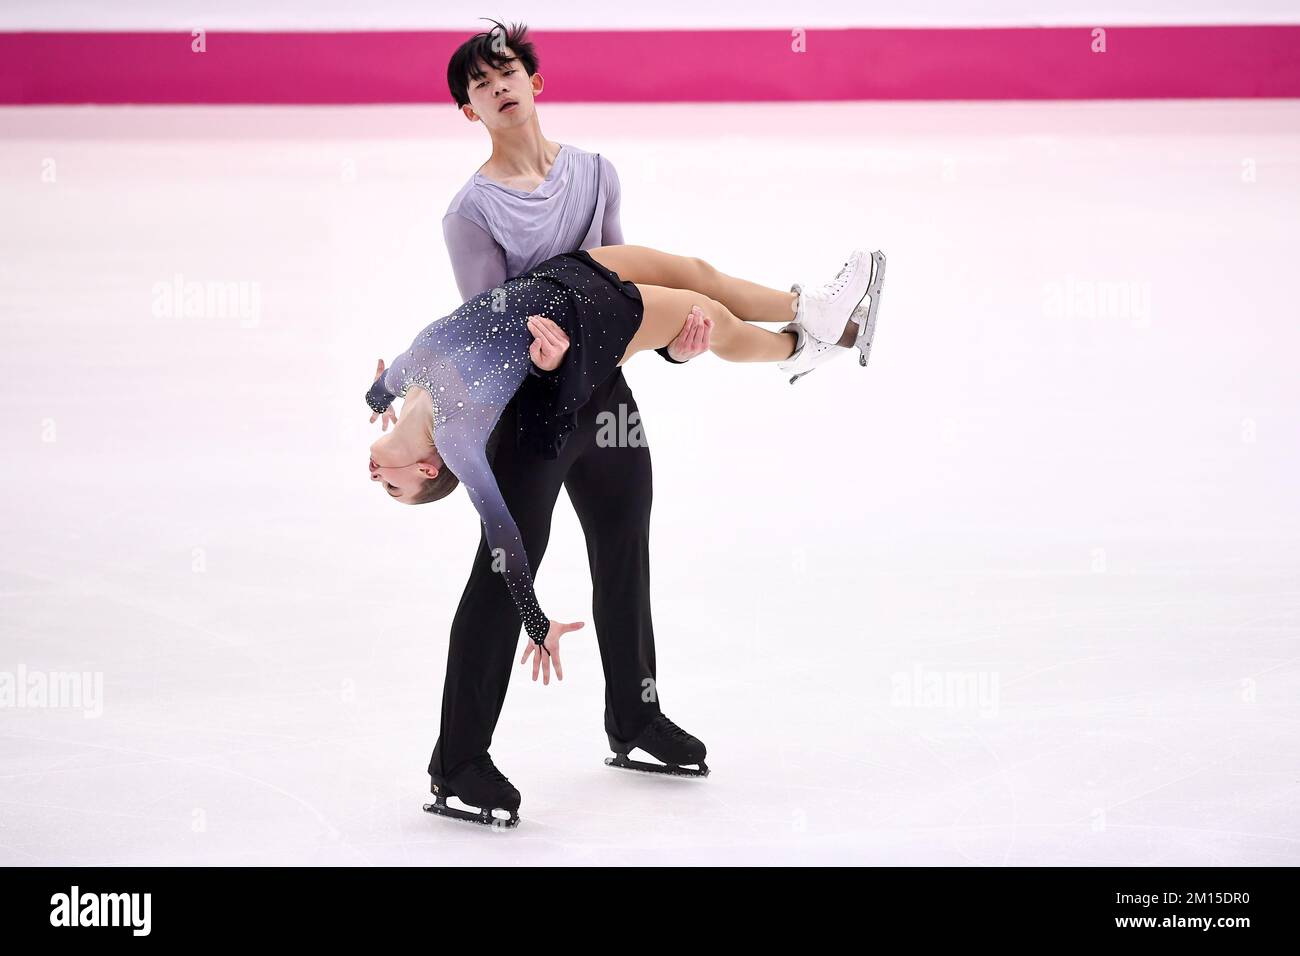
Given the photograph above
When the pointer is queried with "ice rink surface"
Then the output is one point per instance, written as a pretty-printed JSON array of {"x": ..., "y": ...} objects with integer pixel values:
[{"x": 1024, "y": 591}]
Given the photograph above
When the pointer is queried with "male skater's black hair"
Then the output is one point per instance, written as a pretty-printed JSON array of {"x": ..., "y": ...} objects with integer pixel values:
[{"x": 467, "y": 62}]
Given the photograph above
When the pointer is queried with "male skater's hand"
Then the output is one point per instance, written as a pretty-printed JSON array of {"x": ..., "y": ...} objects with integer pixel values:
[
  {"x": 549, "y": 343},
  {"x": 693, "y": 339},
  {"x": 390, "y": 414},
  {"x": 543, "y": 660}
]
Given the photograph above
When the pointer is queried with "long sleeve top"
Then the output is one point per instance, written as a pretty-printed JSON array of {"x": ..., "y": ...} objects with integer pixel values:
[
  {"x": 495, "y": 232},
  {"x": 471, "y": 363}
]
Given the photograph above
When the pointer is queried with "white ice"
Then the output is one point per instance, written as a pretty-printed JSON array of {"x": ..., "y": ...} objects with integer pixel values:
[{"x": 1066, "y": 484}]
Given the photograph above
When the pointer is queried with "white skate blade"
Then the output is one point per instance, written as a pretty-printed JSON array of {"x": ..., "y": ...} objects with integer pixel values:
[{"x": 867, "y": 329}]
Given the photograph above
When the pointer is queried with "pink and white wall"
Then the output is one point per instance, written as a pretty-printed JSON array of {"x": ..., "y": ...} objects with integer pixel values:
[{"x": 661, "y": 51}]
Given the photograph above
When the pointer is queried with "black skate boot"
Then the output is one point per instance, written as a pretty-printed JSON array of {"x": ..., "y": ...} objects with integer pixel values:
[
  {"x": 477, "y": 783},
  {"x": 665, "y": 741}
]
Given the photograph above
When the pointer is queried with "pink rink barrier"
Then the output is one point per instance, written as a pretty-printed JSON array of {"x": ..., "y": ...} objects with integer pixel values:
[{"x": 1030, "y": 63}]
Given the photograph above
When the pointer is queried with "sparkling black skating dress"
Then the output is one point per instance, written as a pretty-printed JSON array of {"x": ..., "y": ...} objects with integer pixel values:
[{"x": 473, "y": 361}]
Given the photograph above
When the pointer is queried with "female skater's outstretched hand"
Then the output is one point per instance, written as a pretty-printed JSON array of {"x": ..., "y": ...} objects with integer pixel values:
[
  {"x": 390, "y": 414},
  {"x": 549, "y": 343},
  {"x": 542, "y": 660}
]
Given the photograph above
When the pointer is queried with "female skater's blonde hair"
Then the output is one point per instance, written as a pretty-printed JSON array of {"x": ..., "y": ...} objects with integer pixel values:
[
  {"x": 439, "y": 486},
  {"x": 436, "y": 488}
]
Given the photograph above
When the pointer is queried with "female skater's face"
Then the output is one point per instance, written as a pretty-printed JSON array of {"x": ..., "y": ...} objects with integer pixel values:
[
  {"x": 491, "y": 94},
  {"x": 401, "y": 482}
]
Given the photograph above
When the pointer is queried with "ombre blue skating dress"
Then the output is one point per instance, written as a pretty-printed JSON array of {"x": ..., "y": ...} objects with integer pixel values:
[{"x": 473, "y": 361}]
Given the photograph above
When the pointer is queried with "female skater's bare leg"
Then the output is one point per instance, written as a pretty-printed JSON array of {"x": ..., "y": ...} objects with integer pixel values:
[
  {"x": 746, "y": 300},
  {"x": 665, "y": 312}
]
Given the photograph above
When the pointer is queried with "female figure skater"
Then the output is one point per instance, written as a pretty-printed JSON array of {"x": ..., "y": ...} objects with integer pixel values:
[{"x": 553, "y": 334}]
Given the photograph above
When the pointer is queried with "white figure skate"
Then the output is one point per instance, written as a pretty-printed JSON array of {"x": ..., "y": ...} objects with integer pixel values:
[
  {"x": 864, "y": 313},
  {"x": 823, "y": 311},
  {"x": 809, "y": 352}
]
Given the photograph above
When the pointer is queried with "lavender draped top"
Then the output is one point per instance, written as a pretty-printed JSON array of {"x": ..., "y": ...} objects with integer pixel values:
[
  {"x": 495, "y": 232},
  {"x": 473, "y": 360}
]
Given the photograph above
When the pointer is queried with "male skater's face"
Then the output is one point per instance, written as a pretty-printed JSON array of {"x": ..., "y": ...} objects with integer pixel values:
[{"x": 502, "y": 98}]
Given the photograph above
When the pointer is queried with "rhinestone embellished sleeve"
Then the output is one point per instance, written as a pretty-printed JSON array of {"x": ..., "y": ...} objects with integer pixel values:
[
  {"x": 464, "y": 451},
  {"x": 471, "y": 363}
]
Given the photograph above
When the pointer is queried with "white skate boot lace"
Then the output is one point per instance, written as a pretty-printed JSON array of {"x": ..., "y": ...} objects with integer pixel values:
[{"x": 833, "y": 288}]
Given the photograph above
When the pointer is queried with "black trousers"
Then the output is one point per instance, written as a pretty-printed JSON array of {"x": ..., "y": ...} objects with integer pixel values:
[{"x": 605, "y": 467}]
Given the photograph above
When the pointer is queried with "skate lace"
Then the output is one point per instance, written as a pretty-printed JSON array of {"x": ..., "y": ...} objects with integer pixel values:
[
  {"x": 668, "y": 728},
  {"x": 486, "y": 768},
  {"x": 831, "y": 289}
]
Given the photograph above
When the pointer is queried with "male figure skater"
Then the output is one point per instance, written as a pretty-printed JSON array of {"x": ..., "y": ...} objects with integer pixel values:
[{"x": 533, "y": 199}]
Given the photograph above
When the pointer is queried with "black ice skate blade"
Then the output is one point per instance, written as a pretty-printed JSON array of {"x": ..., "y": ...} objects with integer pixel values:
[
  {"x": 624, "y": 762},
  {"x": 482, "y": 817}
]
